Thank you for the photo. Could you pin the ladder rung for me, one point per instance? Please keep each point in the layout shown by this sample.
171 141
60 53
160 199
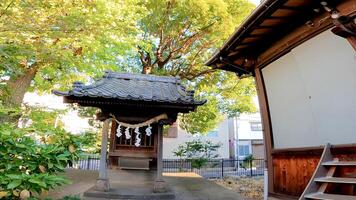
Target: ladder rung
339 163
324 196
336 180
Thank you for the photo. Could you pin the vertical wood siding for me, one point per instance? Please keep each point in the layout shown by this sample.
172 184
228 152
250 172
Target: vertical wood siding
293 172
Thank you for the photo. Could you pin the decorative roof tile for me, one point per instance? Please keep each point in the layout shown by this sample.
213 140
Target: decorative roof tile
134 87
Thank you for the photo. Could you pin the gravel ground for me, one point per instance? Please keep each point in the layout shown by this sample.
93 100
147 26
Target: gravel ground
250 188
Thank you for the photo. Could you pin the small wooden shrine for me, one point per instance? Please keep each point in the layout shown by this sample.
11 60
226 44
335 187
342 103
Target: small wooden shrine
138 105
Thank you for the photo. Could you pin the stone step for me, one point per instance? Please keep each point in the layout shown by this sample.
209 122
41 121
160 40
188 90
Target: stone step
323 196
114 194
339 163
336 180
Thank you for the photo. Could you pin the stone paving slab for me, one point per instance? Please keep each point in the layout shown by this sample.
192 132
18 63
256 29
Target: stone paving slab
190 186
185 186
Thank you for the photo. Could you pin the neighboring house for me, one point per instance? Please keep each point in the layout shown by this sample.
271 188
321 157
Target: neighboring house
177 136
238 137
246 136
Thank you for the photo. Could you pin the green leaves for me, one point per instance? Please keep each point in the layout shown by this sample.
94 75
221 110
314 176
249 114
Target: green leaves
29 165
13 184
14 176
197 151
66 41
204 119
37 181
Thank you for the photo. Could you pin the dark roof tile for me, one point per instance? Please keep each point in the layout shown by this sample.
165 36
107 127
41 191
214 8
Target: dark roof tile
135 87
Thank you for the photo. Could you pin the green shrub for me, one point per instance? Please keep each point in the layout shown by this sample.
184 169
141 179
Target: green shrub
247 162
71 198
29 166
198 152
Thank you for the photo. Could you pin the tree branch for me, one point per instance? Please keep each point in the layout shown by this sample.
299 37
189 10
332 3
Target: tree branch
7 7
193 76
146 61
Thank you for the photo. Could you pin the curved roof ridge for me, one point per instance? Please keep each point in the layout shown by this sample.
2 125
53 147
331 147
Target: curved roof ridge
143 77
134 87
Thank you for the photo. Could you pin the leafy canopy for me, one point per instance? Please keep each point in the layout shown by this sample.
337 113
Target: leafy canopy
178 36
63 41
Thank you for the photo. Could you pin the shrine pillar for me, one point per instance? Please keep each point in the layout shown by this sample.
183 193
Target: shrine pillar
102 183
159 184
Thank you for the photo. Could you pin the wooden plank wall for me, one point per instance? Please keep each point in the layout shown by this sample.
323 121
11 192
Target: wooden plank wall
292 172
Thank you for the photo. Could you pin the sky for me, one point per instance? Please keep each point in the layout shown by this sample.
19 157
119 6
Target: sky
72 122
256 2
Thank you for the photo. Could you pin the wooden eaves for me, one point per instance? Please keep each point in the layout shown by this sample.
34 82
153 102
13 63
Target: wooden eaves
270 22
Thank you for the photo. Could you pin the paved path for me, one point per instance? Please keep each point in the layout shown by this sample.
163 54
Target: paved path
186 186
190 186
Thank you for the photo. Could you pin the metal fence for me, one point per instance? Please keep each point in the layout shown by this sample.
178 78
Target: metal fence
87 162
218 168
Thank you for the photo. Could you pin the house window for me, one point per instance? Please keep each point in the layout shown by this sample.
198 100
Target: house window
212 134
244 150
256 126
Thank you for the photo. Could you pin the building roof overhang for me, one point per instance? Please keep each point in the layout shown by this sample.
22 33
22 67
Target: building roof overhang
268 23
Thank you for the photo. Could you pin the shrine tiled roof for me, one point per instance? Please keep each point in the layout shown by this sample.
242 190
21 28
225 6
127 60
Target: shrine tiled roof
134 87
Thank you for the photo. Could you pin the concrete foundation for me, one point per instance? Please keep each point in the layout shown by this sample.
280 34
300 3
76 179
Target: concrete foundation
159 186
131 184
102 185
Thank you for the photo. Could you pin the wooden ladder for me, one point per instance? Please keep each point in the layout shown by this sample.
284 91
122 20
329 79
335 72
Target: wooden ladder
324 175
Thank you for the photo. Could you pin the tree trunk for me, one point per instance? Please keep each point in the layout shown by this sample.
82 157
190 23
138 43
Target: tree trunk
147 69
17 87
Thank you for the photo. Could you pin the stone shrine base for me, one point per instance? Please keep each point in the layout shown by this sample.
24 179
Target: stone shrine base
130 184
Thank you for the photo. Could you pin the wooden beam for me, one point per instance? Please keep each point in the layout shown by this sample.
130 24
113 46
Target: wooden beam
302 34
352 41
294 8
268 26
248 43
257 35
112 143
267 127
316 150
280 17
291 40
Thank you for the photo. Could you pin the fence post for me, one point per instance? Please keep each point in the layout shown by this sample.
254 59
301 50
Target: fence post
88 165
251 172
222 168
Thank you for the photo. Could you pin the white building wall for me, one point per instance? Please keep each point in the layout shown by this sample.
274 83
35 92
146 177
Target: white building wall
312 93
245 135
244 127
170 144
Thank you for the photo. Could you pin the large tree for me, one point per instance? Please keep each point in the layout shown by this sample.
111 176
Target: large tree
178 36
49 44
